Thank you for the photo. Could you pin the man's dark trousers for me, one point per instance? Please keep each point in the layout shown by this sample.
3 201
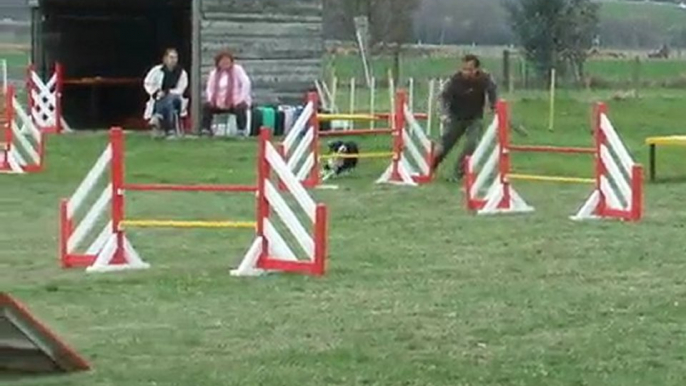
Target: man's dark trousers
455 128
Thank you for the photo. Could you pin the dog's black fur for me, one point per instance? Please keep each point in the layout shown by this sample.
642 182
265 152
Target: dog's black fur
341 165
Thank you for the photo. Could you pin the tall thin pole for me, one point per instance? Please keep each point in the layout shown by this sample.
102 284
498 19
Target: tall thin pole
352 95
411 86
372 100
430 106
551 117
4 76
196 64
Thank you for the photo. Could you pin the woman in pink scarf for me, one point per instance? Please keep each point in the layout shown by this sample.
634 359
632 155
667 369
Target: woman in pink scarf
228 92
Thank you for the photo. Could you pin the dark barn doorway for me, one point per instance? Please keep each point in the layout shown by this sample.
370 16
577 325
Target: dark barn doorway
106 48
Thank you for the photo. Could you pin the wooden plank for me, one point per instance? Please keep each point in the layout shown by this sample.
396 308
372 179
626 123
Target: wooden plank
260 28
264 7
271 96
277 48
310 70
255 17
285 82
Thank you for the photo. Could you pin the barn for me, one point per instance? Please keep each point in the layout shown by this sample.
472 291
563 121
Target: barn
107 46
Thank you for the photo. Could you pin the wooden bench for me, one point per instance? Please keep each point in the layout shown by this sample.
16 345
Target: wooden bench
654 142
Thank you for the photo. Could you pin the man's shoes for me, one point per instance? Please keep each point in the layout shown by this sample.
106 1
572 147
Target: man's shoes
435 159
171 135
206 133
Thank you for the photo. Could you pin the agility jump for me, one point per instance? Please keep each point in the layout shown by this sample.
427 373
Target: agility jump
22 150
617 181
22 144
112 251
45 100
411 150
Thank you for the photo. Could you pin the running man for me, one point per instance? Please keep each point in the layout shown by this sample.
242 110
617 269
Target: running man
463 100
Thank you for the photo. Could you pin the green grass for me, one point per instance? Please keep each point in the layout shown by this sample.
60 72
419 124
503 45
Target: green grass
621 70
16 63
418 291
666 17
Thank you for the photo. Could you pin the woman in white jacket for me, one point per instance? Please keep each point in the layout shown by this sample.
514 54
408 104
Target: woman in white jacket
165 83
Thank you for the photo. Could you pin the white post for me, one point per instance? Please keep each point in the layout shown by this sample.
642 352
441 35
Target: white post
323 93
372 100
441 126
430 108
353 91
551 115
4 75
352 95
334 93
391 91
365 60
412 94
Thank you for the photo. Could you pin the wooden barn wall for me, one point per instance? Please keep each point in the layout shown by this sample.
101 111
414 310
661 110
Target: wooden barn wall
280 43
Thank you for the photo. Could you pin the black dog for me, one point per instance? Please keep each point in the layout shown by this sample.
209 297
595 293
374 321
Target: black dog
339 165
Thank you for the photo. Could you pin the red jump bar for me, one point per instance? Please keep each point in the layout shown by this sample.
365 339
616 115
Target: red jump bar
344 133
552 149
189 188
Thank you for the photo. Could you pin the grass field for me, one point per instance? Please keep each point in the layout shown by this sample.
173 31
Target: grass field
16 63
653 73
418 292
666 16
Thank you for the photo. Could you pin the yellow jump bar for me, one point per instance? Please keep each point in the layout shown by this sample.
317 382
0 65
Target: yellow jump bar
361 155
346 117
674 140
531 177
188 224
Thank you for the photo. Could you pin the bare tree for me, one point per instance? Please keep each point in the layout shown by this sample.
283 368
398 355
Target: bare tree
555 33
392 26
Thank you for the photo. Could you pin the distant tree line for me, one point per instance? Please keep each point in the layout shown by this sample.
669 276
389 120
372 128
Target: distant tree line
390 21
482 22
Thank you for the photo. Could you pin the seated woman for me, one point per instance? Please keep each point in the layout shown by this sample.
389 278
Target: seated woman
165 83
228 92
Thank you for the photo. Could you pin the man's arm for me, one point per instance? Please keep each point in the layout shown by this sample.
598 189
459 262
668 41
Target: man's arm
445 96
491 92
